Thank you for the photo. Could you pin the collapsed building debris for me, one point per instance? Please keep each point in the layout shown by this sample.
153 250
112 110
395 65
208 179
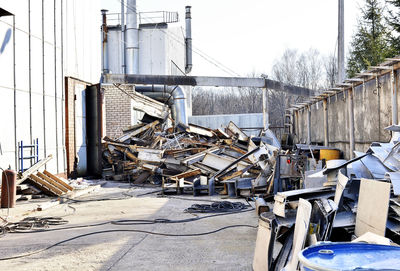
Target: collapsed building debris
355 200
192 158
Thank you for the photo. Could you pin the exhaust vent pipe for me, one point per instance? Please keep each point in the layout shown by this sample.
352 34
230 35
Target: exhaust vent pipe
132 39
174 94
188 40
104 32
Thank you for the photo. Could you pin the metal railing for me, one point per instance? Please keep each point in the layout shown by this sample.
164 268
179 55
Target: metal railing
154 17
151 17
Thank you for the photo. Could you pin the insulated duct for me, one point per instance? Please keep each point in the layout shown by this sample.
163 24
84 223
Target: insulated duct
188 41
104 41
174 95
132 39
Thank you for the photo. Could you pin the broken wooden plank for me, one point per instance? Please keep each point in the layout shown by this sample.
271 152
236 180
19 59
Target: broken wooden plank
45 185
186 174
150 155
33 169
196 129
58 180
221 134
128 154
373 207
204 169
51 181
138 131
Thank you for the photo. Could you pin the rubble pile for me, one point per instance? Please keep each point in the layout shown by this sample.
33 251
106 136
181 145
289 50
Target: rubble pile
192 158
340 200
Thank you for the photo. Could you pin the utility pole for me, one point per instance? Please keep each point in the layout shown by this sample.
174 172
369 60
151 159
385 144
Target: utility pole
341 71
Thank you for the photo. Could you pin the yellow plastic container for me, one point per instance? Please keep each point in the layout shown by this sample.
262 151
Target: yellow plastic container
329 154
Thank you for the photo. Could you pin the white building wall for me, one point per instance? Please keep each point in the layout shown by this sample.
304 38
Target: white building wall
162 51
69 51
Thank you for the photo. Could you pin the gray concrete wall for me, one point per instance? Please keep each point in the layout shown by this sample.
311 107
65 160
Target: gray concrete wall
372 113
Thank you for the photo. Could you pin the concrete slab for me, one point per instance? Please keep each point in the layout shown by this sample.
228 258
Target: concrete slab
231 249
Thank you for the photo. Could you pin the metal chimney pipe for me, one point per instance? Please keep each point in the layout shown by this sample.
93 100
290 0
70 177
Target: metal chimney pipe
123 36
188 40
104 32
177 103
132 39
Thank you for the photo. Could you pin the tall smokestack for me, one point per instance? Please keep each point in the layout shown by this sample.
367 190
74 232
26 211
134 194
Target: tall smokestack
132 39
188 40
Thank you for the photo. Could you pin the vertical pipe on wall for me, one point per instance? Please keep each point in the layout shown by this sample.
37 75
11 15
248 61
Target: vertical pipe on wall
15 99
63 113
123 36
55 81
296 119
308 125
393 87
326 128
379 106
104 34
188 41
351 121
30 74
44 91
132 38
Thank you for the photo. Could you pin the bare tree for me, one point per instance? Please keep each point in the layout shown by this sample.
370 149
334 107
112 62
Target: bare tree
302 69
330 65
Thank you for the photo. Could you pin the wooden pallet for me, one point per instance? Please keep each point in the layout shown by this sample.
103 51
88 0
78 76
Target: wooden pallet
50 183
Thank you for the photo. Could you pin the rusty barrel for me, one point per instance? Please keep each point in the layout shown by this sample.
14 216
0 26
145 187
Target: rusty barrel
8 189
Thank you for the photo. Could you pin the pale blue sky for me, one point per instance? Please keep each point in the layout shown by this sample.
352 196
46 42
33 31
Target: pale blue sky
248 36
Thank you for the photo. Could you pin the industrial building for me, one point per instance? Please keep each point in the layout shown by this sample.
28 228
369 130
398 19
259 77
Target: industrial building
44 52
98 133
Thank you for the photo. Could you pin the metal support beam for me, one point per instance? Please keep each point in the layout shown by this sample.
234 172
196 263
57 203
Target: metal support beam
308 125
265 109
351 121
326 127
296 119
174 80
395 119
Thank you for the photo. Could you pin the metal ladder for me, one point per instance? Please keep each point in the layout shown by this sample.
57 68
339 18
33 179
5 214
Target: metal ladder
33 154
288 122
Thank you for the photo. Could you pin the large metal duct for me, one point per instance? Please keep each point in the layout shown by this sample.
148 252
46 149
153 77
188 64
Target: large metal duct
174 95
132 39
104 33
188 41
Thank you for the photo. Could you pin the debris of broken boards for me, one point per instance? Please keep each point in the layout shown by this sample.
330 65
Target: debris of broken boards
33 182
355 200
191 159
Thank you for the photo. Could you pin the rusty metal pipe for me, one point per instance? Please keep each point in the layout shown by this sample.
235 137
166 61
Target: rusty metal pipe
8 189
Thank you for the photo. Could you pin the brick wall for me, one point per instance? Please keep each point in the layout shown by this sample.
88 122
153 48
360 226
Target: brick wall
70 123
118 110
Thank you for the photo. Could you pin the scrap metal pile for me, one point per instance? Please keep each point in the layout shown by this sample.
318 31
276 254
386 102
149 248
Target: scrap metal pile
355 200
192 158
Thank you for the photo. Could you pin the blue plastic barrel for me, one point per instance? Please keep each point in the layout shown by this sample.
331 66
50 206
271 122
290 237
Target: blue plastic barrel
327 256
